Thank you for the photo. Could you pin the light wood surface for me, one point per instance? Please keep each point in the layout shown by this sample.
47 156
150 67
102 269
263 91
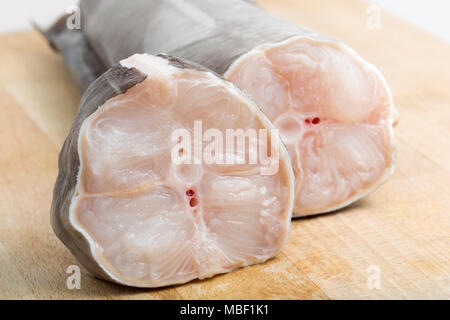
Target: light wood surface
402 229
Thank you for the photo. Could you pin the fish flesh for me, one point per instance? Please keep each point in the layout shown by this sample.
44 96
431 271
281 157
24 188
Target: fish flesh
133 215
334 110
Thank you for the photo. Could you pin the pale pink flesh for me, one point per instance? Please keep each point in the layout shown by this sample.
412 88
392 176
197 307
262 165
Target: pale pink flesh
153 223
335 115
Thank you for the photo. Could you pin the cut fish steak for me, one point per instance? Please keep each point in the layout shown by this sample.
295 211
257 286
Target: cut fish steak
133 216
334 110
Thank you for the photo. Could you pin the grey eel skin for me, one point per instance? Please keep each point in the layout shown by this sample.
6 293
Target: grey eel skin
211 33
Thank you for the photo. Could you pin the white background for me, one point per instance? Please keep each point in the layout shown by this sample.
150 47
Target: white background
430 15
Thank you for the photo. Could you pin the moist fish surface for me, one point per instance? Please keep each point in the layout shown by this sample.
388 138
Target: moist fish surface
334 110
133 215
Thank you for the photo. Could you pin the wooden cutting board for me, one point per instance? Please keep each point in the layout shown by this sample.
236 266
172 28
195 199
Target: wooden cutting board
399 235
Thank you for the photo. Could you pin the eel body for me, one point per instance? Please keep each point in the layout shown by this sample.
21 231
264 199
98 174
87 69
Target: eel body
334 110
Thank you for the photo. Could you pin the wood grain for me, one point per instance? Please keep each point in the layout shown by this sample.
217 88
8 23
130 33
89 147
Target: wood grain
403 228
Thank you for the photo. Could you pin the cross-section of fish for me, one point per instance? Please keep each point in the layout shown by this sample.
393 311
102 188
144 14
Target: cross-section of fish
132 213
334 110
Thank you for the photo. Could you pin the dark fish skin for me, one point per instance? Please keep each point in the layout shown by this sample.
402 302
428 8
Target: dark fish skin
186 64
115 81
211 33
83 63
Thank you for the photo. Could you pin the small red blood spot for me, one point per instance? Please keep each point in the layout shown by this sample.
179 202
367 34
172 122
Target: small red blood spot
190 193
316 121
193 202
307 121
